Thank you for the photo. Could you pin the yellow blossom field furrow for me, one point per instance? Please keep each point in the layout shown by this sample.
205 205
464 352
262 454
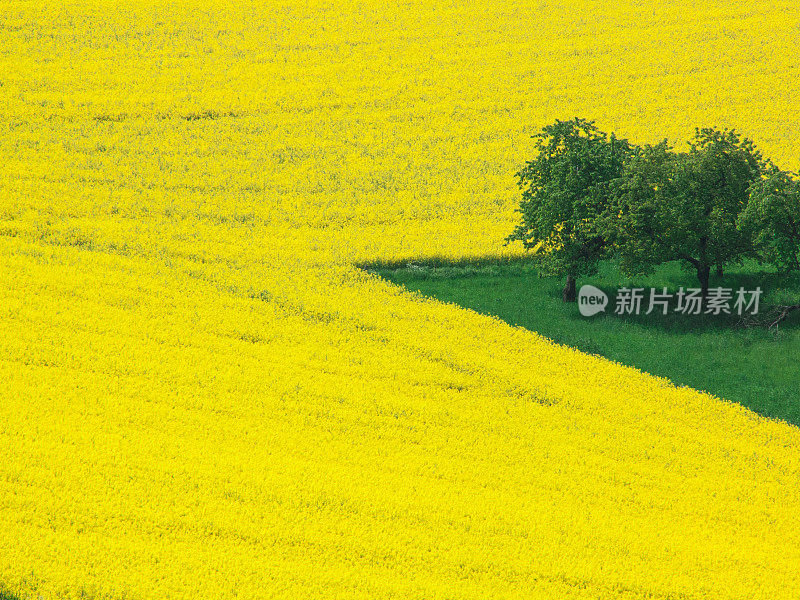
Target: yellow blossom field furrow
204 396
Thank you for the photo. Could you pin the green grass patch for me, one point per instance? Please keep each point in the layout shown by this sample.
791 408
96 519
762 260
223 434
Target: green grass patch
754 366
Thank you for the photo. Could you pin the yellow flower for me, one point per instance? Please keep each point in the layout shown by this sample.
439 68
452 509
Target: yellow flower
203 397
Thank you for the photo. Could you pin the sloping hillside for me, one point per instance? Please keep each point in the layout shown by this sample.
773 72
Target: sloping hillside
203 397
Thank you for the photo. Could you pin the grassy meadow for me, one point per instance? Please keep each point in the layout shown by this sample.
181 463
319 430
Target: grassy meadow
754 366
203 394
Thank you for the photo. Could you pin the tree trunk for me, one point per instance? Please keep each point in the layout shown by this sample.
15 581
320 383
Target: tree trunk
720 272
570 294
703 268
704 274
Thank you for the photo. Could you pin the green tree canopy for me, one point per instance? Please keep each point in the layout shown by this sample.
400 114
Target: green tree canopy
772 219
684 206
564 195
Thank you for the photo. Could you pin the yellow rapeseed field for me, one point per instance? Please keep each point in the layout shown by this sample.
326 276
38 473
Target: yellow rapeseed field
203 396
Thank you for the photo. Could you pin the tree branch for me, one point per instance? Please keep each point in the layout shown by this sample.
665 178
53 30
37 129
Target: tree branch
693 261
771 319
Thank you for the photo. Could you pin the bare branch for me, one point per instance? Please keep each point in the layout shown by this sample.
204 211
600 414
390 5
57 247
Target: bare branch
771 319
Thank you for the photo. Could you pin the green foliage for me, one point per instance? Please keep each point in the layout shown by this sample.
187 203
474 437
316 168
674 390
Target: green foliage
668 205
6 595
639 209
587 196
772 219
564 193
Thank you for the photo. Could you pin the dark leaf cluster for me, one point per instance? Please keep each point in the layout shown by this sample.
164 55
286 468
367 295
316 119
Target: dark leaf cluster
588 196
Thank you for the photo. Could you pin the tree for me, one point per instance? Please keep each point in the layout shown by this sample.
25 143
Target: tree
564 196
772 219
670 205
